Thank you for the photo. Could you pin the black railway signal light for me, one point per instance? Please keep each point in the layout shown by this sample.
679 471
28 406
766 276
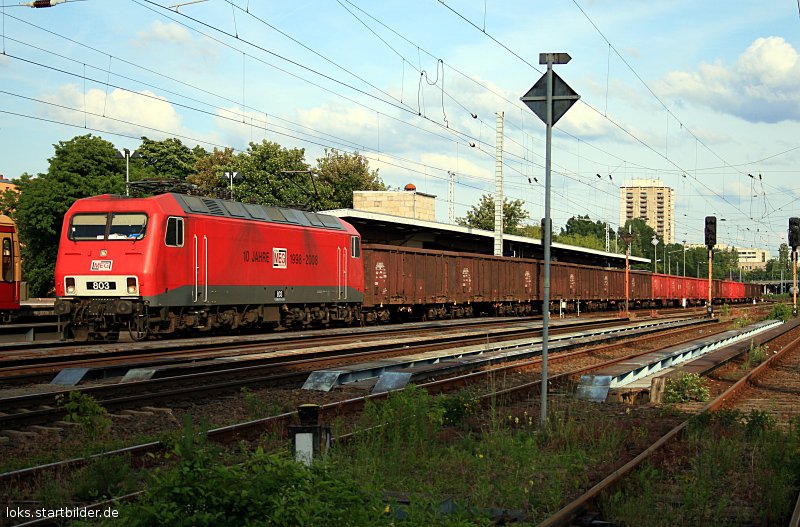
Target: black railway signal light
794 232
711 231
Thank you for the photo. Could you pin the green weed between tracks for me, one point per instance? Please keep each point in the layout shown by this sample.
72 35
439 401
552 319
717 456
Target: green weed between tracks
737 470
84 410
781 312
424 447
688 387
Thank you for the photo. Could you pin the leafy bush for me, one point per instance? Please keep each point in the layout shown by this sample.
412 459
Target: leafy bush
265 490
687 387
84 410
457 407
758 422
781 312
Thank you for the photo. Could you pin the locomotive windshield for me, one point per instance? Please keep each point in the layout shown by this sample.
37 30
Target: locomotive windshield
108 226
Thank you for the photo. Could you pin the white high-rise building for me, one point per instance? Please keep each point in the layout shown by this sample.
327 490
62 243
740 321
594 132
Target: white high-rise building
651 201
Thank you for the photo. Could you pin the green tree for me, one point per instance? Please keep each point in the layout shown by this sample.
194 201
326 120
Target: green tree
167 159
209 169
482 215
641 242
584 226
273 175
531 231
590 241
81 167
783 257
339 174
581 231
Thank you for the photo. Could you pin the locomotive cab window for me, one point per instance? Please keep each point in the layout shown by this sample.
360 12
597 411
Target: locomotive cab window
355 247
108 226
127 226
8 261
174 236
88 227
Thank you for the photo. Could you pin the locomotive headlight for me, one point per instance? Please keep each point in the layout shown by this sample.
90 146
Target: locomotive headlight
133 287
70 285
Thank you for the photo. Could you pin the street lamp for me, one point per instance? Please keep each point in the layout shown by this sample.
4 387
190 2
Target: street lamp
684 257
654 241
627 237
128 155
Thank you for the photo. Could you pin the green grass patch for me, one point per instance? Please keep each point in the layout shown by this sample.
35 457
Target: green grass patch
257 407
500 460
739 470
428 448
755 356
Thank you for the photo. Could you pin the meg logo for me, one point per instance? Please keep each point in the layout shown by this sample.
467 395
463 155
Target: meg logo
101 265
278 258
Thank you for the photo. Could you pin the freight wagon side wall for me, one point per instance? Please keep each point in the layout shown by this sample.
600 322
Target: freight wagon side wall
641 286
405 276
572 282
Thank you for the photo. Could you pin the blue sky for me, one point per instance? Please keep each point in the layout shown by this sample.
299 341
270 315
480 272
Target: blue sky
697 94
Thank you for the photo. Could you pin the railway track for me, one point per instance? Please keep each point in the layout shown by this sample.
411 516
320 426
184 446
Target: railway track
28 364
254 429
772 387
288 367
35 365
566 368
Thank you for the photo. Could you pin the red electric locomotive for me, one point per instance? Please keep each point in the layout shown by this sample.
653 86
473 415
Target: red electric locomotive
172 262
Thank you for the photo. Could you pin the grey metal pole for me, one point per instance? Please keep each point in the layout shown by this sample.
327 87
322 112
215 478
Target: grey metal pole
547 241
794 282
127 171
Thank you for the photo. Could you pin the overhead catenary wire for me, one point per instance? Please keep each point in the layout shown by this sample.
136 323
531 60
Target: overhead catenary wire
331 140
612 121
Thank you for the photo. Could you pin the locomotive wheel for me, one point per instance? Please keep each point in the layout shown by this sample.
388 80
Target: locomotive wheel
137 328
80 333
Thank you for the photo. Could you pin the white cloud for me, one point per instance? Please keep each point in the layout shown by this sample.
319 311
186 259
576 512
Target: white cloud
355 124
159 35
161 32
761 87
462 167
587 124
119 111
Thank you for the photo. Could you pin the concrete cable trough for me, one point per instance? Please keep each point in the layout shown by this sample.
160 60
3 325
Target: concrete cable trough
395 373
595 387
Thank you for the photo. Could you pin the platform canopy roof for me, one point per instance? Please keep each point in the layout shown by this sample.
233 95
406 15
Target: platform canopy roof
408 232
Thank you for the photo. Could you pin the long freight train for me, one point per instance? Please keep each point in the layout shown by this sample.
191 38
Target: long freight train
176 263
